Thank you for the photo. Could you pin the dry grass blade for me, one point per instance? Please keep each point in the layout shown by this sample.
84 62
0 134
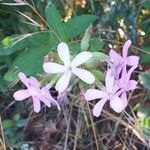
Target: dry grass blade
2 141
33 21
93 127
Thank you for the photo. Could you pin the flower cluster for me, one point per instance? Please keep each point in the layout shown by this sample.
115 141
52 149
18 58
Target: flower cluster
69 68
117 82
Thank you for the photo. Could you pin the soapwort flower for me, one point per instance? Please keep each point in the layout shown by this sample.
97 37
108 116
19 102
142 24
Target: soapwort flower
69 67
33 90
109 92
119 62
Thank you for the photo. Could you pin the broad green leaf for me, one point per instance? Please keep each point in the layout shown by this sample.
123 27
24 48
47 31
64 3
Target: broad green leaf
28 62
145 79
54 21
96 44
74 47
28 40
79 24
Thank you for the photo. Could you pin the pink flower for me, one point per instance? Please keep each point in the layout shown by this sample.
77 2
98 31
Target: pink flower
122 61
33 90
69 67
107 93
125 84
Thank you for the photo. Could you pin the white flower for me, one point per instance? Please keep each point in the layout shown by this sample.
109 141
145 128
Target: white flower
69 67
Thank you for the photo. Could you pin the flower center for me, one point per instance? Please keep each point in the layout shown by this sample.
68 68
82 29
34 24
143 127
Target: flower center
33 91
70 68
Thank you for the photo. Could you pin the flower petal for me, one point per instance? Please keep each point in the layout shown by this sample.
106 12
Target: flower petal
63 82
23 79
81 58
98 107
34 82
51 67
124 99
109 81
115 57
36 104
117 104
56 103
84 75
63 52
92 94
132 61
125 48
21 95
132 84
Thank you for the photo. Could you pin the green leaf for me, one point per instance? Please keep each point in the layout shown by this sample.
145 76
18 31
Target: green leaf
86 39
95 60
74 47
7 123
146 57
30 62
79 24
54 21
28 40
146 4
145 79
96 44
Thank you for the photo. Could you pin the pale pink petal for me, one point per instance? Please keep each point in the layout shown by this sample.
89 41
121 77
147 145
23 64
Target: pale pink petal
117 104
132 61
46 101
36 104
109 81
115 57
63 82
98 107
118 71
23 79
81 58
123 81
34 81
84 75
47 98
92 94
63 52
132 85
21 95
51 67
56 103
125 48
124 99
127 75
